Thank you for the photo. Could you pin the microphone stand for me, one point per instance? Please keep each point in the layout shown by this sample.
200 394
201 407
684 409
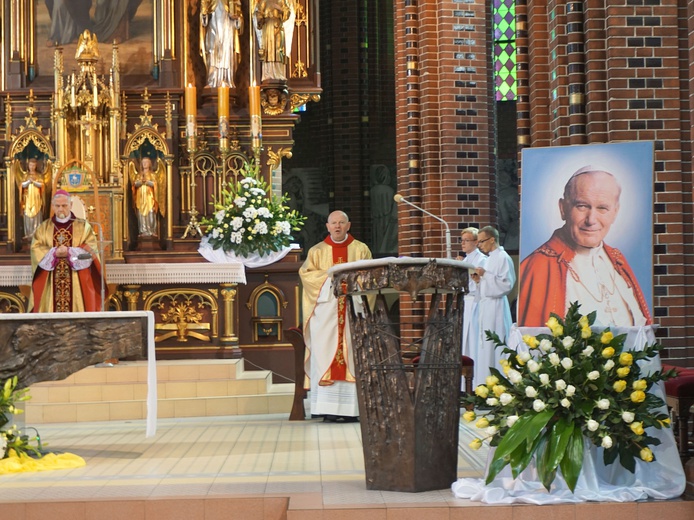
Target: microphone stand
400 198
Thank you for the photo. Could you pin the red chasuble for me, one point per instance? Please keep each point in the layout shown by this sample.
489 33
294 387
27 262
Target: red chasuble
338 367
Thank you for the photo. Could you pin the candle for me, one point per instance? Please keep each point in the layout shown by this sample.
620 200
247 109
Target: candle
96 92
191 102
254 100
72 91
223 102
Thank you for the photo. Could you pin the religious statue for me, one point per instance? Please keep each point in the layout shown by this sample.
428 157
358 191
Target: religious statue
87 46
33 195
222 22
274 26
149 194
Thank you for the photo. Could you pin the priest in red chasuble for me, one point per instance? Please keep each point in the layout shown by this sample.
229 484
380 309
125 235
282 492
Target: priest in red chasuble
65 262
330 361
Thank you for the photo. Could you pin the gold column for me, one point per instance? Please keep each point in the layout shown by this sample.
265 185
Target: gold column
229 291
132 296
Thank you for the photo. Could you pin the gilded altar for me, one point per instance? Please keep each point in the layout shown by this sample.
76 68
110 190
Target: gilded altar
134 116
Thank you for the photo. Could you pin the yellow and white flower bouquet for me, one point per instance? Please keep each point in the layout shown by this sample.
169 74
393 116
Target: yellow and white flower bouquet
249 219
570 387
11 438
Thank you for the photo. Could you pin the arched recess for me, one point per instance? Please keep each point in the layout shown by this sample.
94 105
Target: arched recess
266 303
147 141
184 314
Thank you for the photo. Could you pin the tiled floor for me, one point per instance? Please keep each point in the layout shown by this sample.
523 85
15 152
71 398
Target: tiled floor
241 455
250 468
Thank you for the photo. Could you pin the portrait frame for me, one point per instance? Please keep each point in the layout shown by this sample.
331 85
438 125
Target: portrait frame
545 172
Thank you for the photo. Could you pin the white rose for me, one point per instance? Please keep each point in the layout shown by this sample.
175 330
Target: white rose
609 365
588 351
533 366
505 398
492 430
565 402
570 390
568 342
560 384
511 420
545 345
530 391
553 359
492 401
593 375
628 417
592 425
538 405
523 357
544 379
514 376
607 441
603 404
567 363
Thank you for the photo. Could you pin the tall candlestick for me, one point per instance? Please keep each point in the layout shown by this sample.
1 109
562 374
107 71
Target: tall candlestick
191 111
223 101
254 100
95 90
191 101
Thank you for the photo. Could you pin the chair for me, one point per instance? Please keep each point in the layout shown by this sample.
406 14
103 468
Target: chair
679 396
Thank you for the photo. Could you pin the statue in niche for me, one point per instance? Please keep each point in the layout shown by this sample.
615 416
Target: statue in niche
222 22
34 191
384 212
149 194
274 27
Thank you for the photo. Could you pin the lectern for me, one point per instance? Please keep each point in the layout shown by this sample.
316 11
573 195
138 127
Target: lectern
409 414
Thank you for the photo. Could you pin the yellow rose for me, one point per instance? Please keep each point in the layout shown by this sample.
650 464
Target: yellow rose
531 341
482 422
623 371
637 396
482 391
491 381
583 322
556 327
626 359
637 428
608 352
476 444
665 422
586 332
498 390
606 337
619 386
469 416
641 384
646 455
506 369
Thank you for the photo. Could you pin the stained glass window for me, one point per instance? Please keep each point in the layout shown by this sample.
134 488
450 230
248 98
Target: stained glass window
505 49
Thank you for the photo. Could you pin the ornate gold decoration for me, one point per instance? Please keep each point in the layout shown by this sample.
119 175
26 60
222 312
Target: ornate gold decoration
275 158
12 304
182 313
229 292
297 100
273 101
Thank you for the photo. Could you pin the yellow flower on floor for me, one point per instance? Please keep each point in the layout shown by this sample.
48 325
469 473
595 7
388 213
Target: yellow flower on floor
469 416
483 422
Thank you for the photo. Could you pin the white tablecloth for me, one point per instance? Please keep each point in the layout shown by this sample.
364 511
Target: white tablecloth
661 479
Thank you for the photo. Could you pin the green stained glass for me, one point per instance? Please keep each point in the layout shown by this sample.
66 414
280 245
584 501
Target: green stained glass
505 49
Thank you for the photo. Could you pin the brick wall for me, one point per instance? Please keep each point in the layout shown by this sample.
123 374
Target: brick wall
620 71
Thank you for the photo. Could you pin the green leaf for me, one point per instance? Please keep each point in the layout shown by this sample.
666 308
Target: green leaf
572 462
525 430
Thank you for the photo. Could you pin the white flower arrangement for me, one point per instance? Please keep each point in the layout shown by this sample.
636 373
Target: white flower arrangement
572 384
250 219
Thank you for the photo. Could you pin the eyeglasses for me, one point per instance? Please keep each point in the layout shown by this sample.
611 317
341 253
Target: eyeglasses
483 241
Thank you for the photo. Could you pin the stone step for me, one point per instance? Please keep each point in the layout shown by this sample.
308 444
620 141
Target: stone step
185 388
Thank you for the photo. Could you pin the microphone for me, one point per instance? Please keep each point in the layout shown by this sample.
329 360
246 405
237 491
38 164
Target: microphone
399 198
